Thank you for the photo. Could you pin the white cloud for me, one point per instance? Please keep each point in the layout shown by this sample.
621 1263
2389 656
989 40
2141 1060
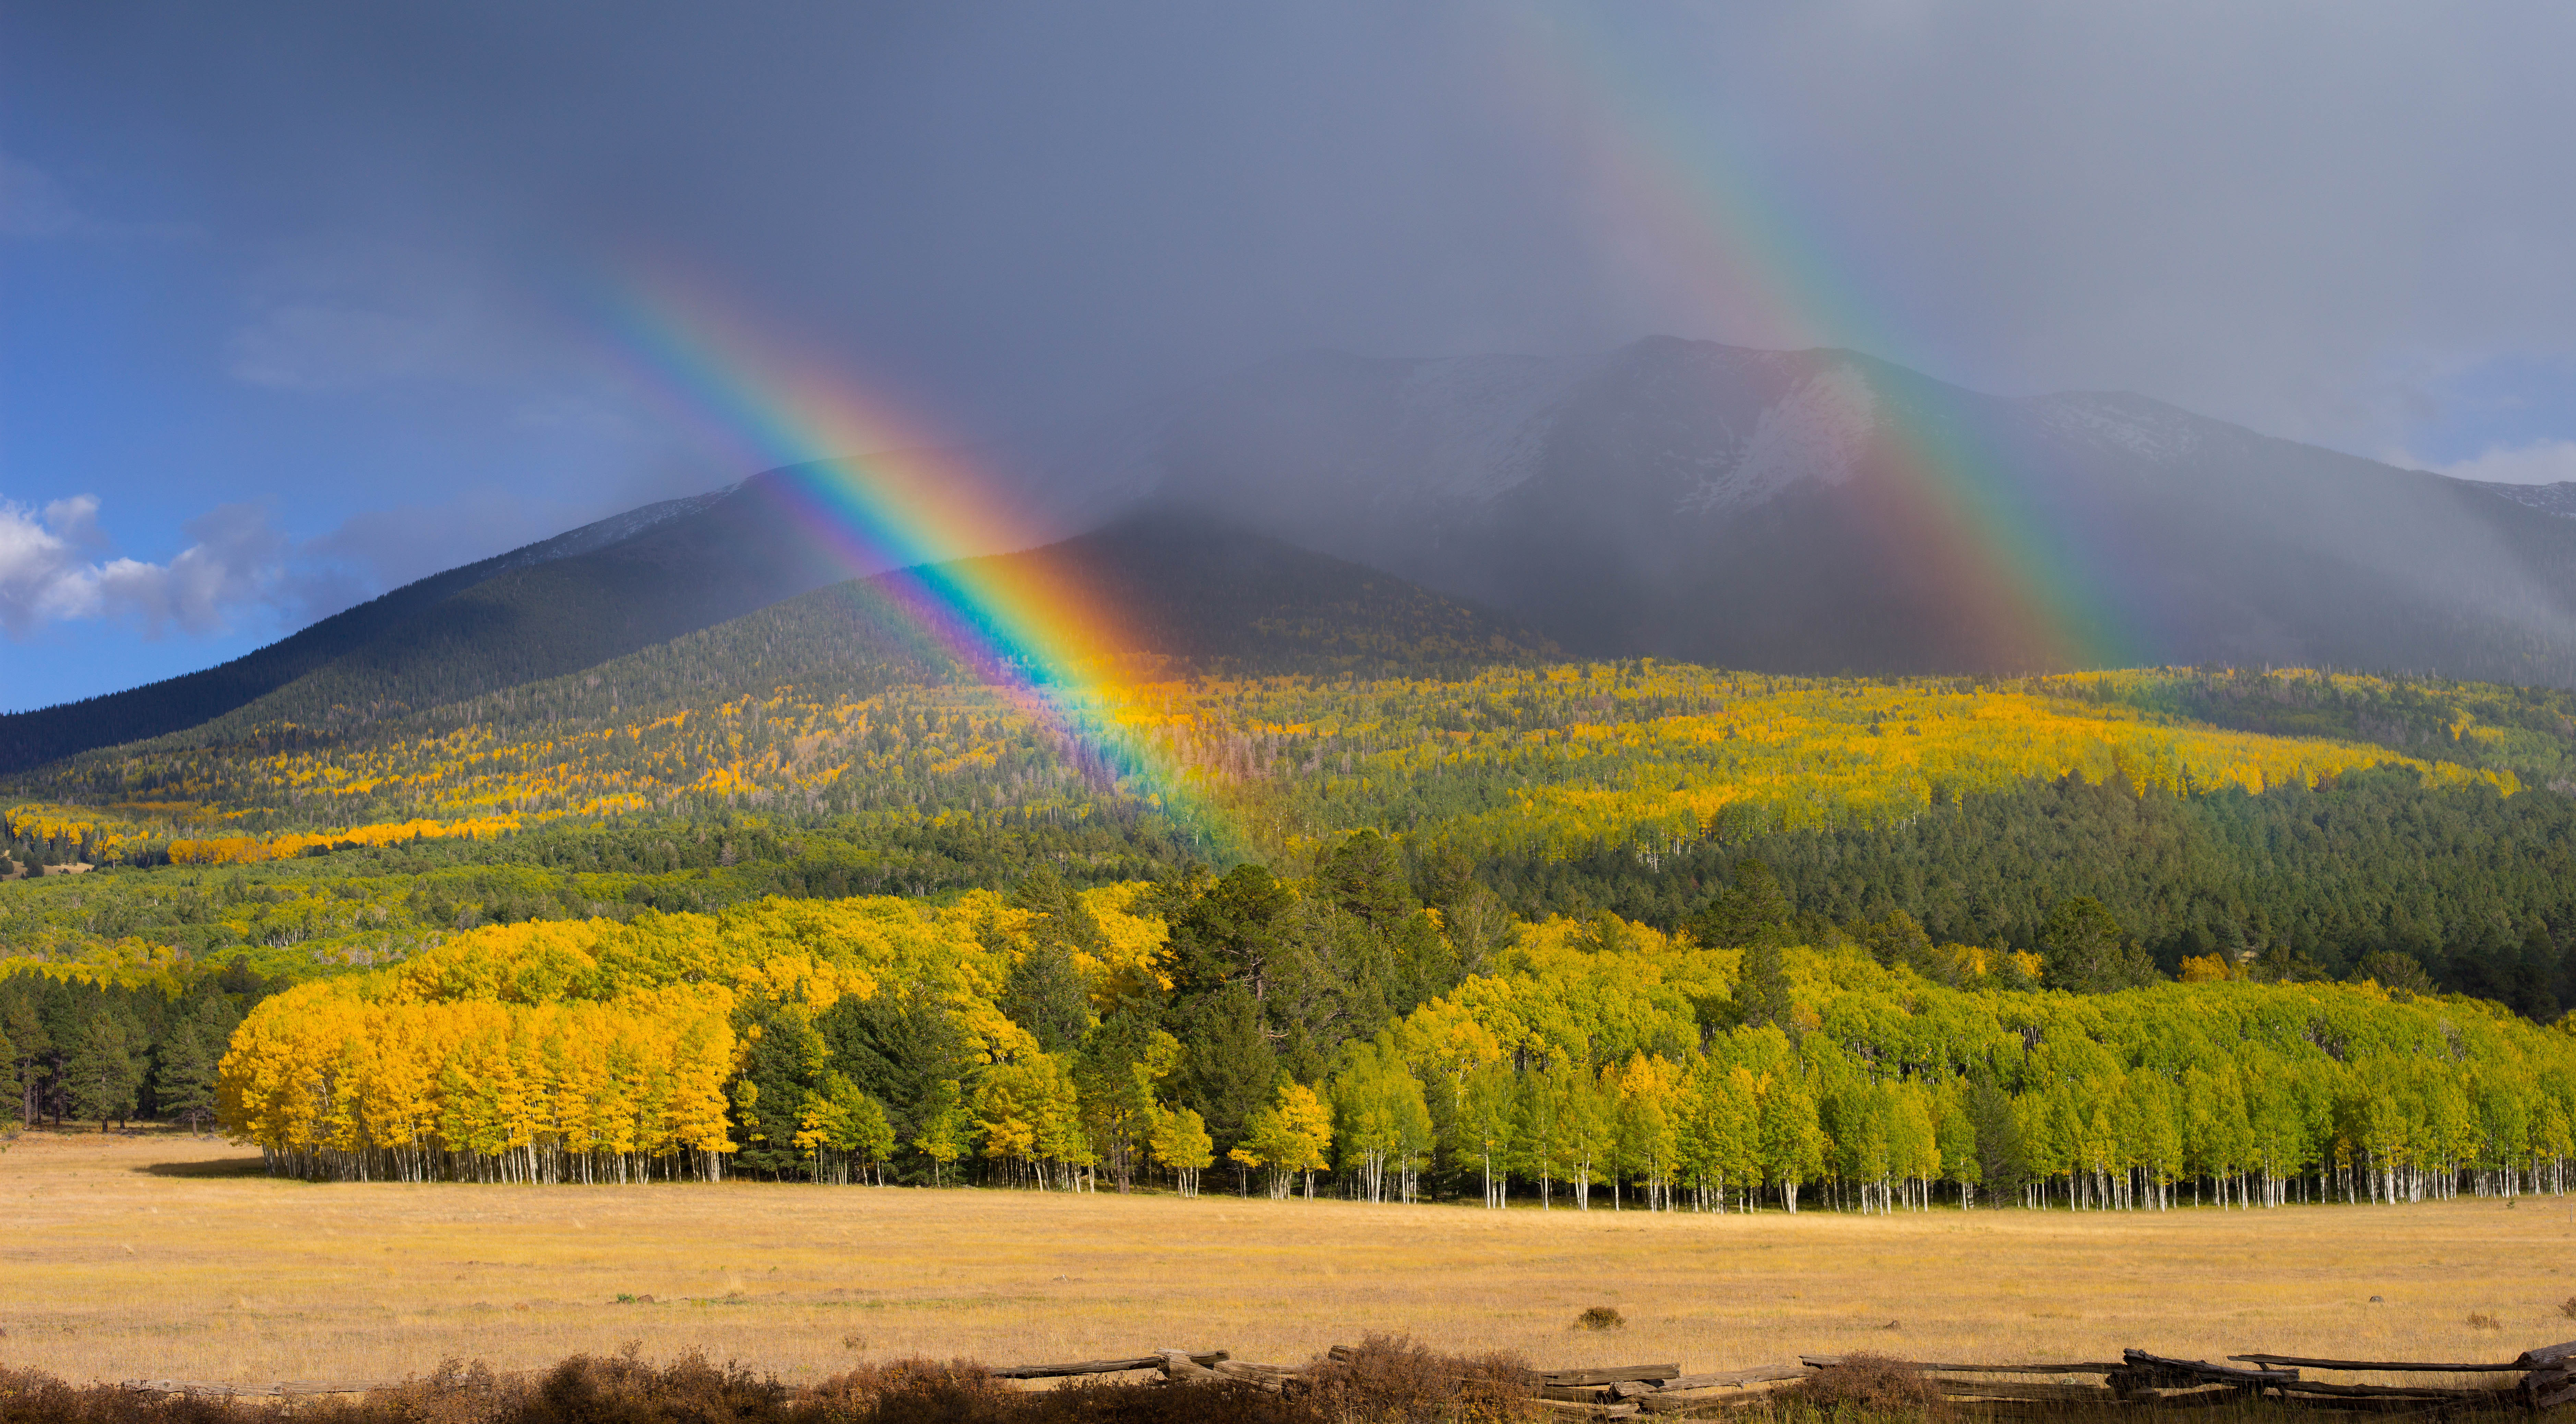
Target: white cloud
48 572
2543 462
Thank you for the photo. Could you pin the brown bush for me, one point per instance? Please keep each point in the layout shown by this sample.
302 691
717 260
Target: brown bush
956 1392
1870 1384
1601 1317
1394 1379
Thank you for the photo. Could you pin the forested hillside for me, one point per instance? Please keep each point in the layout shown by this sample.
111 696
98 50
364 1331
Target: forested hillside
1975 808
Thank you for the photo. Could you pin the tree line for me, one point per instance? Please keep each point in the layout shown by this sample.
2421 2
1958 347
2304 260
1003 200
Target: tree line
2376 874
1334 1033
76 1048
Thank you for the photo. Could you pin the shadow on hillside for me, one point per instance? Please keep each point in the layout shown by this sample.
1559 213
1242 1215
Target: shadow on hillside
216 1167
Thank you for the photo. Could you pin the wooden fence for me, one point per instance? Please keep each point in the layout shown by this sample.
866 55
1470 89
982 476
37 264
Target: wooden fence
2534 1380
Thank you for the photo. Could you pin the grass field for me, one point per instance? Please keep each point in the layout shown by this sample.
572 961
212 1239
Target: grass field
171 1256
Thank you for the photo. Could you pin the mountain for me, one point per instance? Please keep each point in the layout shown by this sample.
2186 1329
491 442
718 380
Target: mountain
44 734
1811 511
2559 498
1823 511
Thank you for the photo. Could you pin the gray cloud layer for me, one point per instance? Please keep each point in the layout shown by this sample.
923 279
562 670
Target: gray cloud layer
2317 219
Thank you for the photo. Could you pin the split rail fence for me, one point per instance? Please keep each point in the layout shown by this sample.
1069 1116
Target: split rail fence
2539 1380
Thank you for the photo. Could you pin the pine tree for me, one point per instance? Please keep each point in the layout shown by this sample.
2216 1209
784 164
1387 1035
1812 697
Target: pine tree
2087 952
1045 995
183 1086
1227 1064
24 1027
101 1073
2002 1167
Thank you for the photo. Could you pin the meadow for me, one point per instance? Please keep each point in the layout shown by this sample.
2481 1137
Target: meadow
168 1255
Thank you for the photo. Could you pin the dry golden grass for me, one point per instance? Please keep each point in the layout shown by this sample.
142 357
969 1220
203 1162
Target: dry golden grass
170 1256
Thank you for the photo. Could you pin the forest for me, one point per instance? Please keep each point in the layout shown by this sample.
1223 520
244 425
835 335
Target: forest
2422 820
1358 895
1335 1034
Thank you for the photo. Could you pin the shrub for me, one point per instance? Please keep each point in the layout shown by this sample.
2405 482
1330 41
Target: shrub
1601 1317
1870 1384
1395 1379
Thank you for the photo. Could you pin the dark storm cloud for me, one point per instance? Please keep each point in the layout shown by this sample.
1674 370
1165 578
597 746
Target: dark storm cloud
377 229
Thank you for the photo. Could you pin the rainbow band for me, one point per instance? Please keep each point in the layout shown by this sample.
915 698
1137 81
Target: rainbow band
915 520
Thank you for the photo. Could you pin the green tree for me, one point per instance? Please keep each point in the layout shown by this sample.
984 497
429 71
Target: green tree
2087 953
782 1061
1045 995
1114 1076
2402 975
2003 1168
24 1027
1752 908
903 1048
1227 1064
1793 1142
183 1085
1228 935
101 1073
945 1127
1762 988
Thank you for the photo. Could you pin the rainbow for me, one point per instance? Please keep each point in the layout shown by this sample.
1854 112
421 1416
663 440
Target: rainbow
912 517
2028 575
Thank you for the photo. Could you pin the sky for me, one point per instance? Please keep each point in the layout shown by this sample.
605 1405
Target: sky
301 302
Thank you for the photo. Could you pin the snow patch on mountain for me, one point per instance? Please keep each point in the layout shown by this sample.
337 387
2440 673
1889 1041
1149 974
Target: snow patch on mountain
1473 427
1820 431
2558 499
2157 434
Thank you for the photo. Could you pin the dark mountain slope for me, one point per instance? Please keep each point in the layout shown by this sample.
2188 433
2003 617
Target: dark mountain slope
508 621
1188 593
45 734
1204 596
1822 510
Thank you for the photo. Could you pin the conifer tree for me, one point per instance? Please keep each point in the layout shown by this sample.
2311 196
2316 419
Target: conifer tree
2087 952
101 1073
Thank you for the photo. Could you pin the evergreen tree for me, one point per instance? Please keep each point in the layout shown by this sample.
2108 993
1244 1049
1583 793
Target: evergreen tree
1752 908
1113 1077
183 1084
1046 996
2003 1169
780 1072
2087 953
1227 1064
25 1030
1229 934
2402 975
903 1048
101 1074
1762 993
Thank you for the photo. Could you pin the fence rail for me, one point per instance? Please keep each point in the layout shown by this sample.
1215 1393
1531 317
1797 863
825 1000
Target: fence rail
2138 1380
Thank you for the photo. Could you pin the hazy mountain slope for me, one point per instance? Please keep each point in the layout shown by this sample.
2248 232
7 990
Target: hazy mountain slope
33 737
1203 596
745 549
2559 498
1822 510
